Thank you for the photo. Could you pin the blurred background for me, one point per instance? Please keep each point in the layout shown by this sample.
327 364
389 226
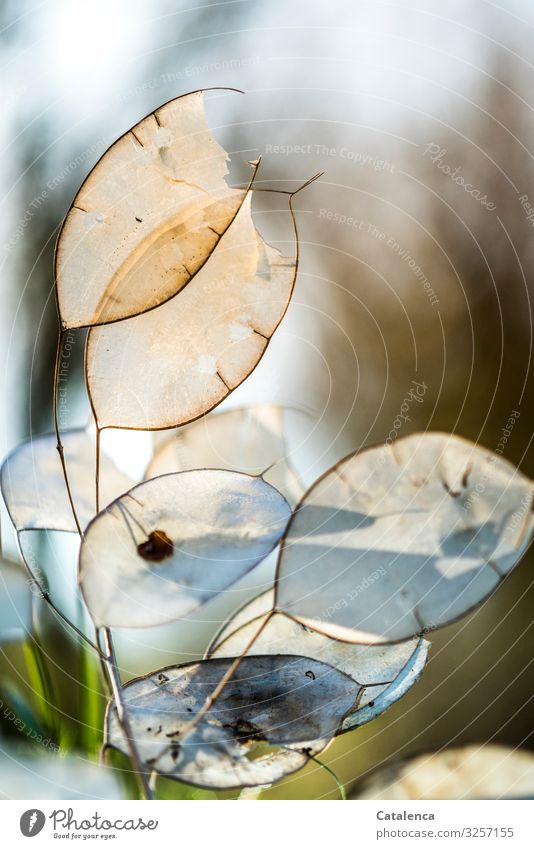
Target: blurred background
417 247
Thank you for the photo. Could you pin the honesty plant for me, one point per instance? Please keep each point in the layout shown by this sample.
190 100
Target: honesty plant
163 265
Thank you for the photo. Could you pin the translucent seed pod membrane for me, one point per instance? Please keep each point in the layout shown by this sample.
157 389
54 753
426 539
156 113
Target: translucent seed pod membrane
402 539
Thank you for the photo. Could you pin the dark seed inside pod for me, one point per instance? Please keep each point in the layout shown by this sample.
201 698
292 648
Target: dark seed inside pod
157 547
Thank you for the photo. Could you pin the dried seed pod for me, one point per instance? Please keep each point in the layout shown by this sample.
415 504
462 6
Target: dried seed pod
472 772
172 543
272 715
146 219
173 364
33 484
382 674
248 439
399 540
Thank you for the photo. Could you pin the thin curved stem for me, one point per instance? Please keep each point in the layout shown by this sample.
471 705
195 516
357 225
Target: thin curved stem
59 446
61 452
330 771
45 595
122 713
295 191
108 657
48 599
110 662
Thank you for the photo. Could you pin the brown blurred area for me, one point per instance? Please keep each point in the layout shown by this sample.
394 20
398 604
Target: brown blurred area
407 274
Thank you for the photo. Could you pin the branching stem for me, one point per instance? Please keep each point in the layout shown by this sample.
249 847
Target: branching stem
122 713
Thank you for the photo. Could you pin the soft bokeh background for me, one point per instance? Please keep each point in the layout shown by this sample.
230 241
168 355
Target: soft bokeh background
404 275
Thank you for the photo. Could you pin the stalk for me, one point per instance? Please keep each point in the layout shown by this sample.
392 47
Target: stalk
122 713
